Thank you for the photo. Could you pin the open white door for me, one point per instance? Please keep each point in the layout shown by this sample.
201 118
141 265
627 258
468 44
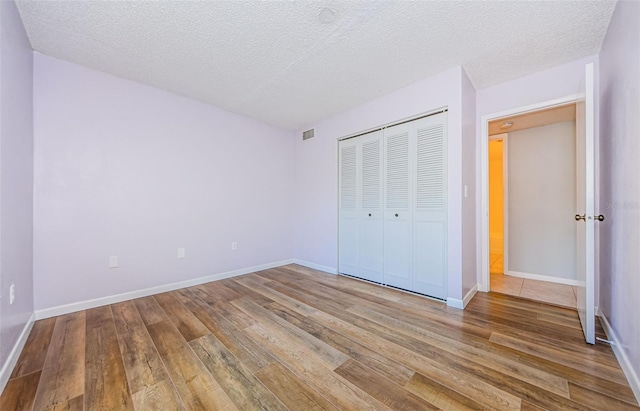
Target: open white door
585 204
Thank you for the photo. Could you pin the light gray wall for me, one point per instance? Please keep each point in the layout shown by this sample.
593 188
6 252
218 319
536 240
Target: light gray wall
542 201
123 169
16 182
620 180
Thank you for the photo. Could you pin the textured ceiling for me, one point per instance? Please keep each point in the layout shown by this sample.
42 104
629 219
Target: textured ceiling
278 62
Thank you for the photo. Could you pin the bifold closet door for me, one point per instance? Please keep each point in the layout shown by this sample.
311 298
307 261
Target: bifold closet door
360 214
415 223
392 206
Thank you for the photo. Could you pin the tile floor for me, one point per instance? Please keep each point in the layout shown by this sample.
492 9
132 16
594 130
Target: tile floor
553 293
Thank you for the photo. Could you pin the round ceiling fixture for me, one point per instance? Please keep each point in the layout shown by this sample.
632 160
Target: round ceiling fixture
327 15
506 124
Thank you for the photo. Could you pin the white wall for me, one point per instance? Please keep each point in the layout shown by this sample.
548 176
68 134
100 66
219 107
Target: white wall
620 182
123 169
542 201
316 212
16 171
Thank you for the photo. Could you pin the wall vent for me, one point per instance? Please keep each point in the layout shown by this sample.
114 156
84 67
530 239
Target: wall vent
308 134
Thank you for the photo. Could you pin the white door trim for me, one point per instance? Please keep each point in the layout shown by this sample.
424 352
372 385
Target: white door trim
482 204
505 204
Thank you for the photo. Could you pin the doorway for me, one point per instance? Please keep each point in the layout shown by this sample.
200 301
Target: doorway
532 186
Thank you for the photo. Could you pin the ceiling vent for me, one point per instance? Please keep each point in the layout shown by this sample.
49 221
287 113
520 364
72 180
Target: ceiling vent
308 134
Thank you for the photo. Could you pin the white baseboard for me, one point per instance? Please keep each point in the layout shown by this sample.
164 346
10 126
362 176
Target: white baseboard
330 270
12 359
470 295
457 303
540 277
625 362
112 299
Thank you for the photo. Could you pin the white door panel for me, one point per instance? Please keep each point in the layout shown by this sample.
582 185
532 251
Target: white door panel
348 244
397 217
585 201
348 260
397 250
429 258
429 208
371 219
371 250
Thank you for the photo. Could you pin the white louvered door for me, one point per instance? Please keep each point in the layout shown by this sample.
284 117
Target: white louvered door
348 230
430 208
393 209
371 240
397 213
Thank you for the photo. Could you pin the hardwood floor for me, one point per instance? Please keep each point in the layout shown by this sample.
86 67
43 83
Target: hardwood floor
297 339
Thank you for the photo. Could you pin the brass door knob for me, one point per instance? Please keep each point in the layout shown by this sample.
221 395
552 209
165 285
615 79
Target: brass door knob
580 217
599 217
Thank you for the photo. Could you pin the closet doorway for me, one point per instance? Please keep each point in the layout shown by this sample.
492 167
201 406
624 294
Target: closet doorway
532 199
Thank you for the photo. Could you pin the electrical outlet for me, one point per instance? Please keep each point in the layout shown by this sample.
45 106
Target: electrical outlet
182 253
234 246
12 293
113 261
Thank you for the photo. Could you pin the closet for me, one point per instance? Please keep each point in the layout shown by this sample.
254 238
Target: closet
392 224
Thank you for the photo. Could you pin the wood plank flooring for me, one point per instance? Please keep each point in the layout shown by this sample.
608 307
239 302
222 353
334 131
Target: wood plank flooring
293 338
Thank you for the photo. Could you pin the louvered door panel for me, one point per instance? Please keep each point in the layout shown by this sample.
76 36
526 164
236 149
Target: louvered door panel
371 174
371 241
430 171
397 215
348 214
429 224
397 171
348 178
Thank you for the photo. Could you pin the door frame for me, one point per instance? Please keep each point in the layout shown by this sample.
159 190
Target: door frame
483 206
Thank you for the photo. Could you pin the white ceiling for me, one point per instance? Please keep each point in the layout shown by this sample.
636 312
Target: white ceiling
278 62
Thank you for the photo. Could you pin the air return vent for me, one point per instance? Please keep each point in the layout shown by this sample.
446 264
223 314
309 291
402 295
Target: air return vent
308 134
